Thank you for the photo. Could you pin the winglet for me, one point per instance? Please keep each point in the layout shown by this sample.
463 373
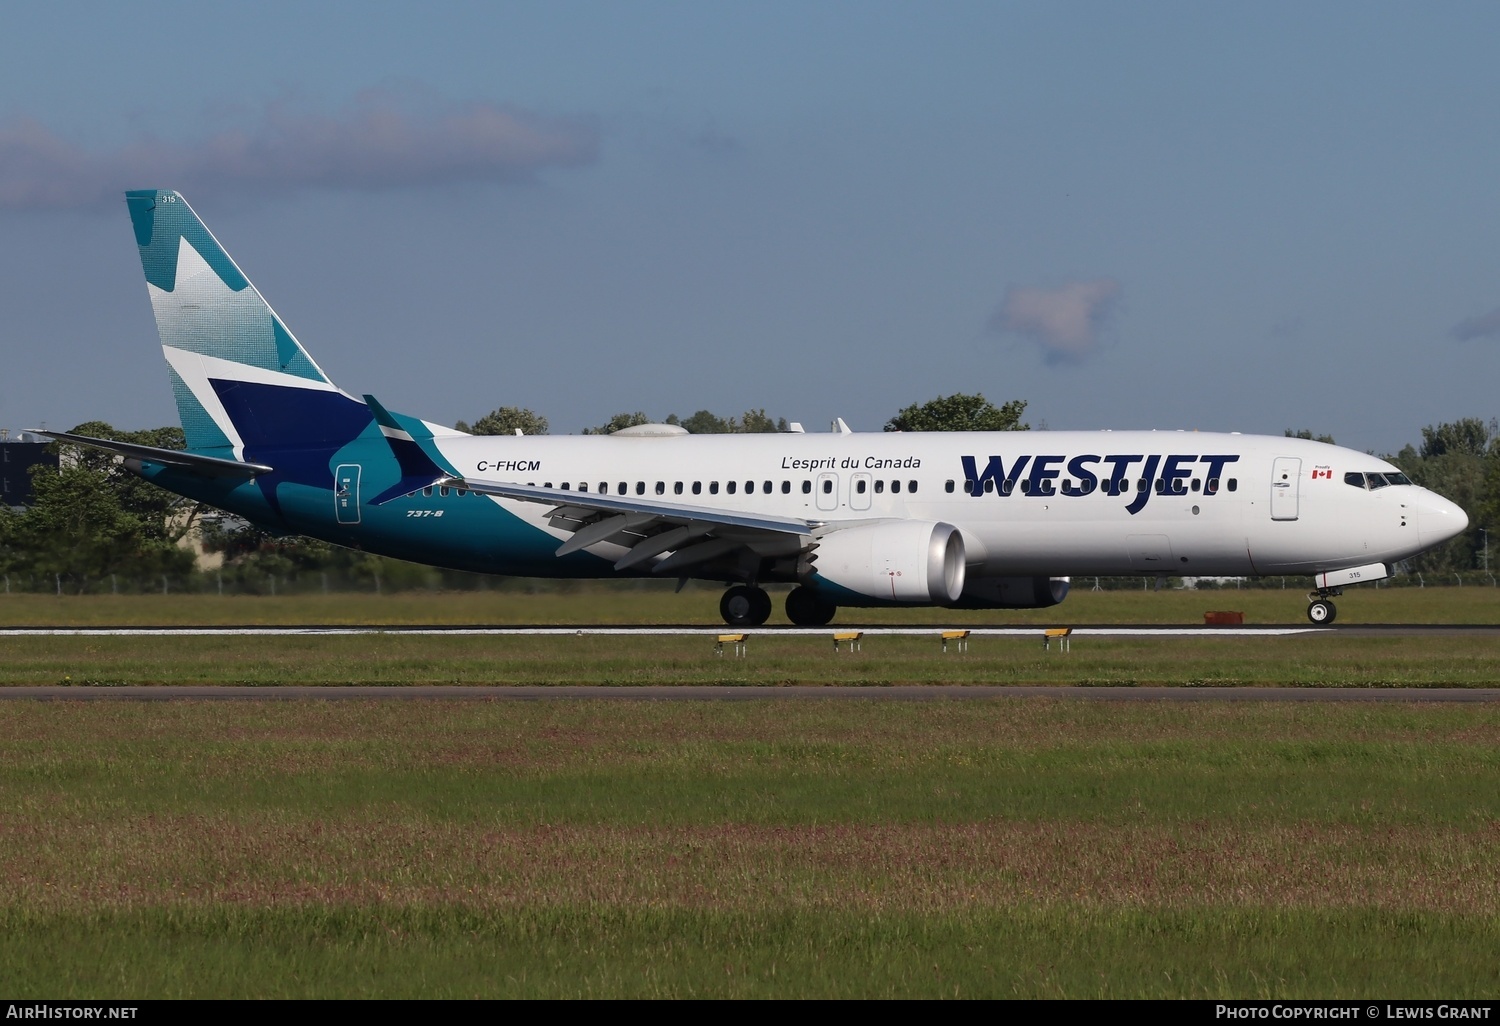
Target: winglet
421 465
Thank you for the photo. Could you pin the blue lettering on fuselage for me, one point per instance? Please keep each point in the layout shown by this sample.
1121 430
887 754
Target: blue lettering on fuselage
1175 471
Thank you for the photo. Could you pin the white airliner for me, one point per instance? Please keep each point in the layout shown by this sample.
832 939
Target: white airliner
967 520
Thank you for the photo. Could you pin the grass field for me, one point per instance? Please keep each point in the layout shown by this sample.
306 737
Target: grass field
1028 848
985 848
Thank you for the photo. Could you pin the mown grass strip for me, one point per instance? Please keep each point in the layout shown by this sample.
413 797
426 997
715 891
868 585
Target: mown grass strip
448 952
1324 660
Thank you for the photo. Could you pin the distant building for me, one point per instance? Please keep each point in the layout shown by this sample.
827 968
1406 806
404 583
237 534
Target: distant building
17 457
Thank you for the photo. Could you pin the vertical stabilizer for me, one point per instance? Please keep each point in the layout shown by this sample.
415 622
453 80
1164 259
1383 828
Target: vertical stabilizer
217 333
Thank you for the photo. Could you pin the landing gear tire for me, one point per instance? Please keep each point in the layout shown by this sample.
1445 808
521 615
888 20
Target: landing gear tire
743 606
1322 611
806 608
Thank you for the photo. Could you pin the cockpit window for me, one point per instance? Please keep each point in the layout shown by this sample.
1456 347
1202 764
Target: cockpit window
1354 478
1375 481
1397 479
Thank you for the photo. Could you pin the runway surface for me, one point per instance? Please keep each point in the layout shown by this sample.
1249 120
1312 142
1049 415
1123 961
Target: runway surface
695 693
666 630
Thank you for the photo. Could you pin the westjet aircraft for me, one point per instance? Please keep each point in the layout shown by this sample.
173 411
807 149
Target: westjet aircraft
965 520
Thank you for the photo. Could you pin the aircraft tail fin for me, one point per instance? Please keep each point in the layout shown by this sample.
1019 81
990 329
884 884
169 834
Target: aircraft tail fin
232 360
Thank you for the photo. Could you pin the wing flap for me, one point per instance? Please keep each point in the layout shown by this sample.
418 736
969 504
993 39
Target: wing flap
690 535
570 503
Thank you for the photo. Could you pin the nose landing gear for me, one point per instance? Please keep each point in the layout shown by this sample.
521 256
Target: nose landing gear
745 606
1320 608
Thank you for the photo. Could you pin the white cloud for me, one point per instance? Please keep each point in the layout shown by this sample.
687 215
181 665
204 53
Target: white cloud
383 140
1065 321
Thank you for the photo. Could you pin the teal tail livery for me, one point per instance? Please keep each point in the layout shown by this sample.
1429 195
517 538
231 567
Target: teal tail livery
965 519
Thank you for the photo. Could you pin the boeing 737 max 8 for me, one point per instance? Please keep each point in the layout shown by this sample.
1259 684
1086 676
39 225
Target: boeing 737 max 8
971 520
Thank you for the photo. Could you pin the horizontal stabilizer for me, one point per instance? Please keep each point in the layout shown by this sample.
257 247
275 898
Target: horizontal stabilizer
209 466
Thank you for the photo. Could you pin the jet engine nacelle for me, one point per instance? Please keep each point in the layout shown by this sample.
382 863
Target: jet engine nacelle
911 561
1012 592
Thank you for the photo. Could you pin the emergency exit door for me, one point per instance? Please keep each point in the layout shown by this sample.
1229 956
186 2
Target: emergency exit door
1286 477
346 493
828 491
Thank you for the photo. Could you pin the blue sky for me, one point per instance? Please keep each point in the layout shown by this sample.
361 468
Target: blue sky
1225 217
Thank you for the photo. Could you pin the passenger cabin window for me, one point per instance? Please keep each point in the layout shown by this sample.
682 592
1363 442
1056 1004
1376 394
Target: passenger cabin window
989 485
1234 483
624 488
948 485
713 488
827 487
1197 483
806 487
443 491
786 488
968 487
697 487
661 488
911 486
730 486
859 486
768 487
640 488
677 488
879 487
427 492
895 486
749 487
1211 486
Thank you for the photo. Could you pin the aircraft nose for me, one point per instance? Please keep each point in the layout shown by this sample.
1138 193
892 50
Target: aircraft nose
1438 520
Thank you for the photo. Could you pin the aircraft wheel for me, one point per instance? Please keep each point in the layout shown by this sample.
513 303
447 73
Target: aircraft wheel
1321 611
806 608
744 606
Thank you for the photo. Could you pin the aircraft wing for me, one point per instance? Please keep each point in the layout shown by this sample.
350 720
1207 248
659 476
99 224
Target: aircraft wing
692 534
211 466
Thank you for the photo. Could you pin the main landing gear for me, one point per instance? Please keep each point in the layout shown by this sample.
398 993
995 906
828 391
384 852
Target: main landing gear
745 606
1320 608
806 608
